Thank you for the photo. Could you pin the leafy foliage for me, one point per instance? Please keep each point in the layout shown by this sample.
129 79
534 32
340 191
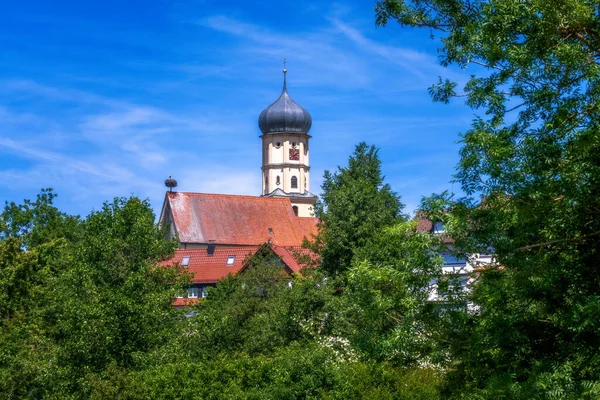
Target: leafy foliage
534 156
390 288
82 296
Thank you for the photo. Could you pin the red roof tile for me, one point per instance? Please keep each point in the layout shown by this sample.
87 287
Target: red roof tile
237 220
209 269
287 258
182 302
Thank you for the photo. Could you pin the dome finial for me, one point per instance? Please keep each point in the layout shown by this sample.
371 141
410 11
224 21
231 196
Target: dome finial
284 115
284 72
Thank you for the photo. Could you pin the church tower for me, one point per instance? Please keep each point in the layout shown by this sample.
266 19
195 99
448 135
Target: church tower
285 157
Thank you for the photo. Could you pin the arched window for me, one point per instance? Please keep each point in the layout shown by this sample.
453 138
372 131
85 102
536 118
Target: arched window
294 182
295 208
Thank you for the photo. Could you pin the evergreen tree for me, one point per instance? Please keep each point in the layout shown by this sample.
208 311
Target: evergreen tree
355 204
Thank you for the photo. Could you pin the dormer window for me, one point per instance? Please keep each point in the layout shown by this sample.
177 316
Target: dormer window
438 227
230 260
185 261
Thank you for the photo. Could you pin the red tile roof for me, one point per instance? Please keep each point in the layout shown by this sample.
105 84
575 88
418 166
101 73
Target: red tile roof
182 302
237 220
209 269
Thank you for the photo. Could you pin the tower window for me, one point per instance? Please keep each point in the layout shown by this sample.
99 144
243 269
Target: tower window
277 181
294 182
295 208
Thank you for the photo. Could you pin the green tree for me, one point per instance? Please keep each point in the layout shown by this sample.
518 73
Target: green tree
535 155
257 337
389 287
97 302
355 204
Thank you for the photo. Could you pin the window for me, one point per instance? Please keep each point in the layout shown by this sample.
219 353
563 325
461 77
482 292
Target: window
204 292
192 293
230 260
450 259
438 227
295 208
185 261
294 182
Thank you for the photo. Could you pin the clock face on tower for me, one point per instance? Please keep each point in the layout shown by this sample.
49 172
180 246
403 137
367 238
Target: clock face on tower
294 154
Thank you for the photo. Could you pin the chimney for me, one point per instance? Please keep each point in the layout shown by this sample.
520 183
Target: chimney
210 250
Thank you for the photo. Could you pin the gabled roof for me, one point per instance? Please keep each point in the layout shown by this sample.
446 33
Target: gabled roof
210 269
236 220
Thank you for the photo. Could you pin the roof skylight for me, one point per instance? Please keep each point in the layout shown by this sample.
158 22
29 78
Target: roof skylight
230 260
185 261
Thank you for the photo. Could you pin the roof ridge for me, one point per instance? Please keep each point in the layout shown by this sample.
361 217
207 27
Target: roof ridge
226 195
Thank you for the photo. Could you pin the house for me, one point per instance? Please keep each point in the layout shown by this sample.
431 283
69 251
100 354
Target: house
208 266
462 270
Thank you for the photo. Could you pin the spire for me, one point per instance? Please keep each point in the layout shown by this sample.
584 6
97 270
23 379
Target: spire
284 73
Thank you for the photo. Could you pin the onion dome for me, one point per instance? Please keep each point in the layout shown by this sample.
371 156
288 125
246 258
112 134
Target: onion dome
285 115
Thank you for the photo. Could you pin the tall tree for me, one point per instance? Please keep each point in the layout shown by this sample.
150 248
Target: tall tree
535 155
354 205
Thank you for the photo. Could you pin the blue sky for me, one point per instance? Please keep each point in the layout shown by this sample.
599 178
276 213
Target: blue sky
108 98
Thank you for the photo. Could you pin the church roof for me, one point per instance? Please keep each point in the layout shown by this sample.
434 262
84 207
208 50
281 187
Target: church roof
237 220
284 115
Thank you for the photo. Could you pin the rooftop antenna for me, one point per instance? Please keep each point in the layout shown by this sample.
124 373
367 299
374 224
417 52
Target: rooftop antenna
170 183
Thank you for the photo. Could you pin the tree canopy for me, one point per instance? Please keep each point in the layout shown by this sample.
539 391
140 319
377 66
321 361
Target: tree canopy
532 152
355 204
87 313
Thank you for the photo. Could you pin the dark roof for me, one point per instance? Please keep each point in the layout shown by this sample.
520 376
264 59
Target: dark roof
237 220
284 115
279 192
